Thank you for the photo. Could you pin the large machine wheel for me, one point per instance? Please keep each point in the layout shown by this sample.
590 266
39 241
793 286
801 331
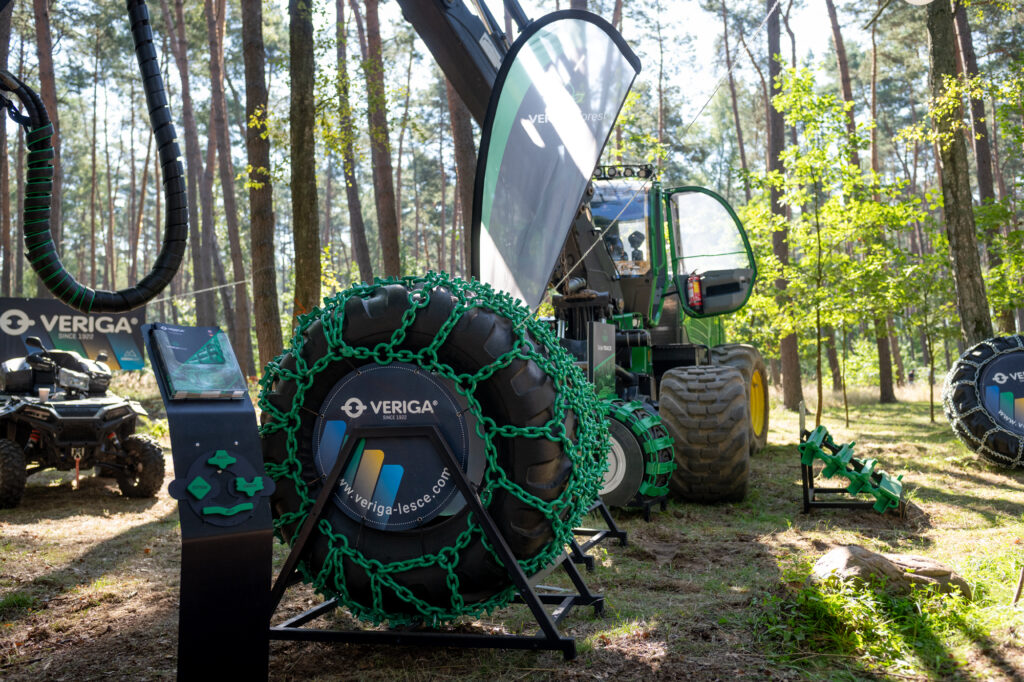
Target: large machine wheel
983 399
144 475
705 410
12 474
747 359
537 419
640 460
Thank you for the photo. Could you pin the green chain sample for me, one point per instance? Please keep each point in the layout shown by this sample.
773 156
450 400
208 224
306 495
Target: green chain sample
863 476
534 342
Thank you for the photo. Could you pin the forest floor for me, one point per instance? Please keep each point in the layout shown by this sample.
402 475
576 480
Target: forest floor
89 581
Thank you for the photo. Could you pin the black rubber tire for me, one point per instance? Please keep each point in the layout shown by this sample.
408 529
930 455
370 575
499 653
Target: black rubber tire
706 411
12 474
625 466
146 457
747 359
996 442
521 394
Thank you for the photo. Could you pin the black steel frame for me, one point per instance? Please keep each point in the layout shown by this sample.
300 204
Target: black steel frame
548 636
578 551
811 491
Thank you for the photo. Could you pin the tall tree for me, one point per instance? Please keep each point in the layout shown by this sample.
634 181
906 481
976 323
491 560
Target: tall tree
202 268
735 103
465 162
972 303
302 114
48 93
380 144
5 175
845 85
357 228
216 16
792 385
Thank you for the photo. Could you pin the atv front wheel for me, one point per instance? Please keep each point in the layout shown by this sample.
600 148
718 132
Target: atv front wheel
12 474
749 362
143 475
705 410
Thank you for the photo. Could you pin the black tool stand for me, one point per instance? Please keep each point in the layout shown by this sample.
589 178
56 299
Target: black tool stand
226 535
578 551
547 638
650 503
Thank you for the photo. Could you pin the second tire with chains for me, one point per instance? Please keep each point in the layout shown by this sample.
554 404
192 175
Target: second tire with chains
640 460
706 411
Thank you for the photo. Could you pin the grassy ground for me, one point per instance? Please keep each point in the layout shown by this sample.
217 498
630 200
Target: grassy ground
88 581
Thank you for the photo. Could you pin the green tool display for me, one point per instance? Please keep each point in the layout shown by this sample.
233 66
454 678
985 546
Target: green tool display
863 476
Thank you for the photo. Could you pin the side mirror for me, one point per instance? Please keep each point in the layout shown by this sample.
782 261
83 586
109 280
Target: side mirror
102 356
34 342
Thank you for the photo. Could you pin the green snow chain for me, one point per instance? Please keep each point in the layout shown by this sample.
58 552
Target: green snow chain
863 476
656 442
534 342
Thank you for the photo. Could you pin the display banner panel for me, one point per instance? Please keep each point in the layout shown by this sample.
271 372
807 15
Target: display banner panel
63 328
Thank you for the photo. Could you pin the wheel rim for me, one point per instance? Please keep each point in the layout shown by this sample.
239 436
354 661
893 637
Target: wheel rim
757 402
616 467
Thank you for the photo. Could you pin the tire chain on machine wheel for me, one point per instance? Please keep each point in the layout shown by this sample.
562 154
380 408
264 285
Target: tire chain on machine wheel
996 440
656 446
538 417
747 359
706 411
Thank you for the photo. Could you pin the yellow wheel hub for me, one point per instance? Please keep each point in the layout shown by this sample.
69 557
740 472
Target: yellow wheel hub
757 402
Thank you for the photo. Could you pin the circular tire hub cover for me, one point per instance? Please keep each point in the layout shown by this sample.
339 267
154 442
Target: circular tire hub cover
1002 390
397 482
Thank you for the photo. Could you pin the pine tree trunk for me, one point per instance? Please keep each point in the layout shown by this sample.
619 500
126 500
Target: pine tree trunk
833 358
792 388
215 18
357 228
465 163
733 100
897 355
380 145
846 88
886 394
48 93
972 303
202 275
266 314
305 224
5 174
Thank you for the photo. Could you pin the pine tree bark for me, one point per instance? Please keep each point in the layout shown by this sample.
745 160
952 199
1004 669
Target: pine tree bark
305 223
380 145
357 228
734 100
792 387
465 162
885 386
48 93
202 274
216 15
972 303
5 174
844 77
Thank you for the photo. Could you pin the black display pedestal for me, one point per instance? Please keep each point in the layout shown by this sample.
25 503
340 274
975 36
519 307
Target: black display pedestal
548 636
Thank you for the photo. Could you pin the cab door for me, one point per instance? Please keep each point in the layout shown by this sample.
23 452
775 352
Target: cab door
712 263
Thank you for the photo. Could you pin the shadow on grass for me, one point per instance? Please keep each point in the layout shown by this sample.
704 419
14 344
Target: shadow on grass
56 501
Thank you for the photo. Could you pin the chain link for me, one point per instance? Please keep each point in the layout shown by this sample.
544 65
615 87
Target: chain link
534 342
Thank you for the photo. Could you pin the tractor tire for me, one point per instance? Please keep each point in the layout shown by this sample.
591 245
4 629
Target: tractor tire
145 461
520 394
625 470
983 399
12 474
706 411
747 359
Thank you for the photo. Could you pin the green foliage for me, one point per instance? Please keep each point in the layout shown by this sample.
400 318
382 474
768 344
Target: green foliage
899 634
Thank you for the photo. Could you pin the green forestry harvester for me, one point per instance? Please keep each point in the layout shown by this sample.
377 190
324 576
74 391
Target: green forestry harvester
661 265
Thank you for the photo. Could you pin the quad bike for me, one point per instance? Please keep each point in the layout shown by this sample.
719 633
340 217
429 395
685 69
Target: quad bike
56 413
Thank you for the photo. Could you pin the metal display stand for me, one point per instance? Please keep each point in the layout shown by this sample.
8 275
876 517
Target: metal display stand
578 551
548 636
226 534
